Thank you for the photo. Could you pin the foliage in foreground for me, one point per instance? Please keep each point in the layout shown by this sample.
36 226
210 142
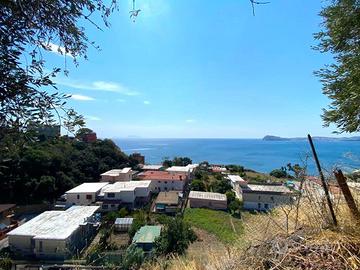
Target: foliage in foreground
340 36
175 237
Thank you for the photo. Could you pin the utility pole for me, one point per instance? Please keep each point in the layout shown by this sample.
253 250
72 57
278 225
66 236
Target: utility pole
325 187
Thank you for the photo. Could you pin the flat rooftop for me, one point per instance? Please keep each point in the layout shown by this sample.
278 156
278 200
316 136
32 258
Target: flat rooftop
88 188
152 167
236 178
267 188
162 176
207 196
128 186
171 197
56 224
147 234
117 172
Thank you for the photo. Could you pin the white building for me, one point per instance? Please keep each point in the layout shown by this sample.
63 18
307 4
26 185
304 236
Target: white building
117 175
125 194
55 234
211 200
164 180
237 182
189 169
84 194
265 197
152 167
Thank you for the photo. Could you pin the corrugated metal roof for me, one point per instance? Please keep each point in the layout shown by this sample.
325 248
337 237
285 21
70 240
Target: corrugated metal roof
129 186
207 196
56 224
124 221
147 234
267 188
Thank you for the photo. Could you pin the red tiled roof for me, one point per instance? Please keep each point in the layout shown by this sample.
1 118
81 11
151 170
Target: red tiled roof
162 175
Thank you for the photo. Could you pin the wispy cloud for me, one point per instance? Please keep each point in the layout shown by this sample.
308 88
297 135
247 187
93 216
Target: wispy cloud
57 49
92 118
146 102
190 120
81 97
98 86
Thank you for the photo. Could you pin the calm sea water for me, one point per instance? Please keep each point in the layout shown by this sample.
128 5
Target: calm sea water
256 154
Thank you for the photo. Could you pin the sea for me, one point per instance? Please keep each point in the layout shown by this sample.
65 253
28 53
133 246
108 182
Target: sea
256 154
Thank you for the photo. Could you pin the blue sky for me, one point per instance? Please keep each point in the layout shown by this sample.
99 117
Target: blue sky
202 69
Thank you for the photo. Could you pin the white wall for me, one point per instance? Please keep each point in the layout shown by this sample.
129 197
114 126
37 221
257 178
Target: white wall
80 198
264 201
168 185
21 243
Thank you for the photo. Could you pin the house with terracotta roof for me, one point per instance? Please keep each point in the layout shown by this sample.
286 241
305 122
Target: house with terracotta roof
164 180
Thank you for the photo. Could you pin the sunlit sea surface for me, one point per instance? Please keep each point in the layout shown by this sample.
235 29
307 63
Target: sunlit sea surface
256 154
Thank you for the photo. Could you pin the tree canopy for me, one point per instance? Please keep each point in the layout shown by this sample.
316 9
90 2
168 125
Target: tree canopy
45 170
340 36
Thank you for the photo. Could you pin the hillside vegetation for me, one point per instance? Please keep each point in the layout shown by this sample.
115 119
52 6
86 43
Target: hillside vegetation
42 171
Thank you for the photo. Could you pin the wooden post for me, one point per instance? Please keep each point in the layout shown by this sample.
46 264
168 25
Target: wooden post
347 194
325 187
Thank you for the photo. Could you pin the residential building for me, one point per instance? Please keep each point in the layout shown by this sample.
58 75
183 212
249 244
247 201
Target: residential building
89 137
138 157
152 167
55 234
211 200
116 175
167 202
123 224
217 168
237 182
265 197
164 180
84 194
188 170
131 194
145 237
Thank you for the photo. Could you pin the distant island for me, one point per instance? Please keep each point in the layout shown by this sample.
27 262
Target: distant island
277 138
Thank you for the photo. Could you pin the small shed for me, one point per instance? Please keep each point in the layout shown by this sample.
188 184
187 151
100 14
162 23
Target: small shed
123 224
145 237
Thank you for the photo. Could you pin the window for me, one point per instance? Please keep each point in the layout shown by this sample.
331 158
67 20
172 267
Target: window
112 206
78 197
266 206
111 195
105 206
166 188
259 205
259 198
272 198
165 182
40 246
172 182
88 196
159 182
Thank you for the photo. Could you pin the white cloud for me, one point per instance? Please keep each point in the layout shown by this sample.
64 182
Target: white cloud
57 49
92 118
146 102
190 120
81 97
98 85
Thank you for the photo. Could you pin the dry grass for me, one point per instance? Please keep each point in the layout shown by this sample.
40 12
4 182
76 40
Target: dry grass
300 236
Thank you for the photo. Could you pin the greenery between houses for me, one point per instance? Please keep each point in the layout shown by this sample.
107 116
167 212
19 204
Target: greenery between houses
221 224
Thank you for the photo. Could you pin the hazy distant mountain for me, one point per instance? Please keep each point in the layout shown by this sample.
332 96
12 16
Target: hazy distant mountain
277 138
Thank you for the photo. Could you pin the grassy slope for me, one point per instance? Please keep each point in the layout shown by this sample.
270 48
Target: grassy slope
215 222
